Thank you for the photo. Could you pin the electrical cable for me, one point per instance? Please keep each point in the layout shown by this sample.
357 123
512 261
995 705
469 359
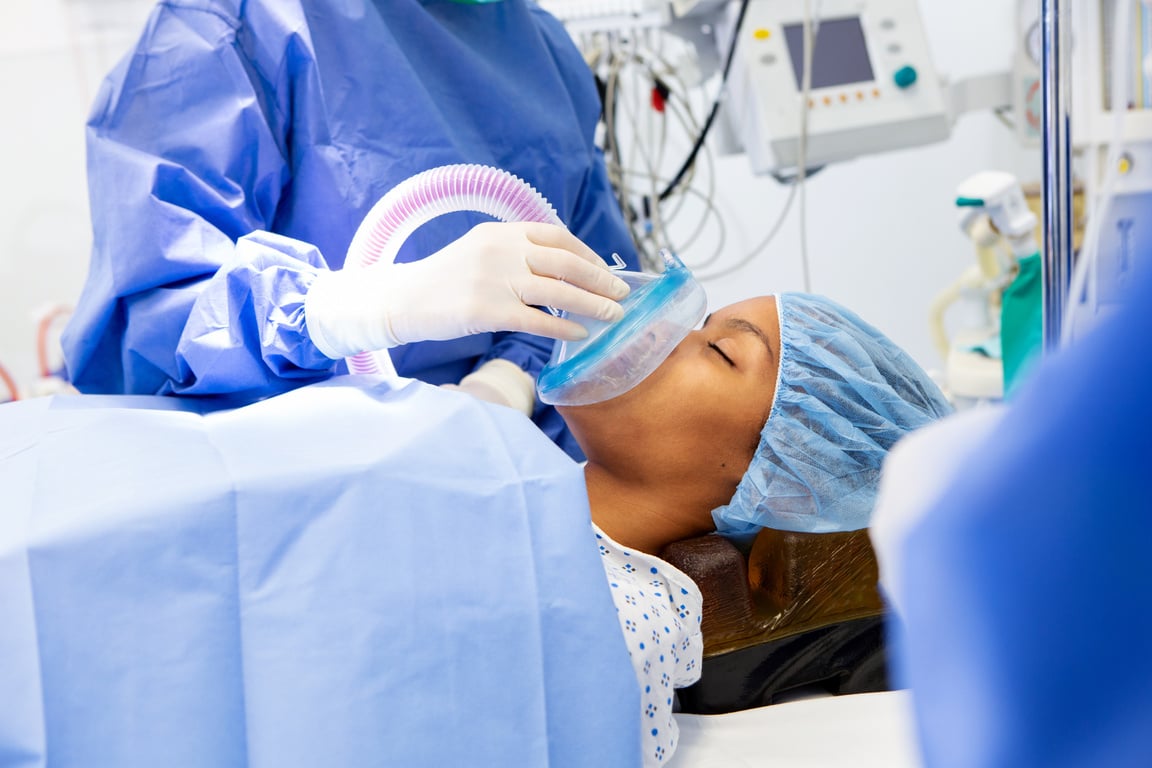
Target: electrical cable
802 146
711 212
659 234
720 94
680 107
638 63
638 146
644 69
708 199
677 107
810 30
665 75
613 156
780 218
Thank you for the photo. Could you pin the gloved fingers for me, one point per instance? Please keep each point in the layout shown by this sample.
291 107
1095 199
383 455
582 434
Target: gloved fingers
563 265
553 260
546 292
553 236
541 323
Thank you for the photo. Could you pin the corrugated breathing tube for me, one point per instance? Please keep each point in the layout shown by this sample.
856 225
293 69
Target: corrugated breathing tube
423 197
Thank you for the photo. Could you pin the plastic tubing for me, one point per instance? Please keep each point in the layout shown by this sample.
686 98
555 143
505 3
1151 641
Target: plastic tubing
423 197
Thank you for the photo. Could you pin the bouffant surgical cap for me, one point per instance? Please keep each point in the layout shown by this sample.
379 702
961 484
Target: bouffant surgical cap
844 395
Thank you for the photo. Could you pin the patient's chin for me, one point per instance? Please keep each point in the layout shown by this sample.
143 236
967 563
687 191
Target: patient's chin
592 411
602 430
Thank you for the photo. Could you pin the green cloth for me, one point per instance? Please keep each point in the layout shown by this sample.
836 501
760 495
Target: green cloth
1021 322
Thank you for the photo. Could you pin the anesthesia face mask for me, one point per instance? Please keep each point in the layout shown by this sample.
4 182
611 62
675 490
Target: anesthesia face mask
659 313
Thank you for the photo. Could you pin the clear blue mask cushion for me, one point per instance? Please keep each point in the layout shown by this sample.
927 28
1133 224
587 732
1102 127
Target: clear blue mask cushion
659 313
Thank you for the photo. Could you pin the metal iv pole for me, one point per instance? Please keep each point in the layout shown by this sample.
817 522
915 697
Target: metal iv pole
1057 173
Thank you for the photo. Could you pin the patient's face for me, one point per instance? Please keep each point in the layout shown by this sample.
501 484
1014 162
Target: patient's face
704 407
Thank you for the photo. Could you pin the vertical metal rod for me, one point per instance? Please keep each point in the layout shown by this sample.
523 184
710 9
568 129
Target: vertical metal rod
1057 178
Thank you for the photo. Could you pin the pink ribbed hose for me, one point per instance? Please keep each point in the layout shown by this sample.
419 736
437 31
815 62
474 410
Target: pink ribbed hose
425 196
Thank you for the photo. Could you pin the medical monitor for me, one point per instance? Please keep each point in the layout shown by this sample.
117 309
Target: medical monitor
839 57
873 85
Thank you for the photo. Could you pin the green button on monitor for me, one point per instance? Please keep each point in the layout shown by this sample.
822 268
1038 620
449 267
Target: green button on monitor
905 77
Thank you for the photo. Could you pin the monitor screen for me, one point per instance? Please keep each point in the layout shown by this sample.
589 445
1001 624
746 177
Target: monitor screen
839 57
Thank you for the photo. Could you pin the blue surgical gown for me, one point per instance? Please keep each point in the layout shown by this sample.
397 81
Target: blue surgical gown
1027 583
294 117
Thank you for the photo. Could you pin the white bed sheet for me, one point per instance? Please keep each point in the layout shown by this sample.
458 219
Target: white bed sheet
857 730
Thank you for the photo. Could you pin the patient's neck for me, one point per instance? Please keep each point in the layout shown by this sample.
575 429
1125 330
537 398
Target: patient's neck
638 515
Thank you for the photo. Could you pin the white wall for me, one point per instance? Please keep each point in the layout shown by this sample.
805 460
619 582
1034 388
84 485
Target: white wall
53 54
881 233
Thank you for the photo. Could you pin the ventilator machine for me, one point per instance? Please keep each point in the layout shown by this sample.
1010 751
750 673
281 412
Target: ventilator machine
806 83
866 85
792 86
800 84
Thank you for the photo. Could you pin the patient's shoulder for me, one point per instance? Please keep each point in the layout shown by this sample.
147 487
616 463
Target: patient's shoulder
659 609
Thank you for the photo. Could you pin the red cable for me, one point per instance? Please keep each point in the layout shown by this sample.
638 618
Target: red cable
658 100
10 383
42 332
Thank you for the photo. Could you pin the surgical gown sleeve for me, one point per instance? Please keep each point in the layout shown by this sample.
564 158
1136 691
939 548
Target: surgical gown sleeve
1025 586
234 120
186 155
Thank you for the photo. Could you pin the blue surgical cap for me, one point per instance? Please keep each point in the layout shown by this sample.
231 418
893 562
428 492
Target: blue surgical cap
844 395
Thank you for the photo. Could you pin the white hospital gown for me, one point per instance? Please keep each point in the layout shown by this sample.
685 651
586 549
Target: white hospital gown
659 609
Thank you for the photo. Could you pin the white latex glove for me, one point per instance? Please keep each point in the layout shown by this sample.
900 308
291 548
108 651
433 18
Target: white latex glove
486 280
500 382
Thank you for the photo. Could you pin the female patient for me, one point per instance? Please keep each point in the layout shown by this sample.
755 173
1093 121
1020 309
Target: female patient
370 572
778 412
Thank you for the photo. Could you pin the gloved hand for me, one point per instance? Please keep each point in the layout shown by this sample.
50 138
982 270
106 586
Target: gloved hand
500 382
486 280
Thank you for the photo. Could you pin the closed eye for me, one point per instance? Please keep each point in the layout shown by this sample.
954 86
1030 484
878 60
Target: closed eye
721 353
